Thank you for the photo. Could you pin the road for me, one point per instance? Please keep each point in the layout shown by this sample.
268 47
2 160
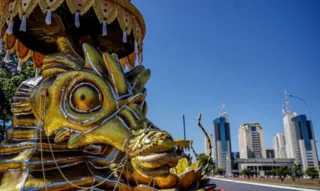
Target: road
233 186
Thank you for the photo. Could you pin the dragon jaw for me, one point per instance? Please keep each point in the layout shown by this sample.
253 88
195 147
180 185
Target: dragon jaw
99 104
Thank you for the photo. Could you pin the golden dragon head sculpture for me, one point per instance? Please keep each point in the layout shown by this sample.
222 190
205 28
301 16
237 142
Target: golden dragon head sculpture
81 122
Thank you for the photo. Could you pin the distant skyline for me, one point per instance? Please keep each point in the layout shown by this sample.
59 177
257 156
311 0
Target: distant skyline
244 53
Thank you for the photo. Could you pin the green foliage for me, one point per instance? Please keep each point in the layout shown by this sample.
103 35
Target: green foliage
247 172
282 172
312 173
219 171
203 159
296 172
9 83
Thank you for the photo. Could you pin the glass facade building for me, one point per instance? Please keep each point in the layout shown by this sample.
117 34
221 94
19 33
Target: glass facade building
270 153
306 147
222 143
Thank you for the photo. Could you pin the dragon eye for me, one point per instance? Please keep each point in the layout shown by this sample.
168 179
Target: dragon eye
85 98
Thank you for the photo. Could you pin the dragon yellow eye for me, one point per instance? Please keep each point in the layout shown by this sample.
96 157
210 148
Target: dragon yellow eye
85 98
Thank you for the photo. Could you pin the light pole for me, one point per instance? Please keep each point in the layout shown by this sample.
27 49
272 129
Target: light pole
184 127
299 98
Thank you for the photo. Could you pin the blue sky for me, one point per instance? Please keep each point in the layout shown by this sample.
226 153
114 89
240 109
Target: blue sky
242 52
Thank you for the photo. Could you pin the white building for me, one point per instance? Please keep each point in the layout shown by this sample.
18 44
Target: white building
279 145
251 141
299 138
291 141
213 153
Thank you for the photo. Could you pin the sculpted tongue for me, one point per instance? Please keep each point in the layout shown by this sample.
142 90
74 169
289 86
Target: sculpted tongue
157 160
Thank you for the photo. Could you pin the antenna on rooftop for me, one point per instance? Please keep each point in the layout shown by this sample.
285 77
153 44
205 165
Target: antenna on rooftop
223 110
283 111
223 107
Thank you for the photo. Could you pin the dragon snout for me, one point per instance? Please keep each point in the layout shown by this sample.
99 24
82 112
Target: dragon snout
153 141
155 154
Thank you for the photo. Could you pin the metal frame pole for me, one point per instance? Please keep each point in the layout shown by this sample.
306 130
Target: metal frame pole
184 128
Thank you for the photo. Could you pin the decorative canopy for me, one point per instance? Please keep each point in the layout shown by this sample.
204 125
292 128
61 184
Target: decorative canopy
31 27
183 144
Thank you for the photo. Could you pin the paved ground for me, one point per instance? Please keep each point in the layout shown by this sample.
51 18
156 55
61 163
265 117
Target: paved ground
233 186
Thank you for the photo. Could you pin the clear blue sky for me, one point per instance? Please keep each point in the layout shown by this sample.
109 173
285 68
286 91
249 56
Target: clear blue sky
242 52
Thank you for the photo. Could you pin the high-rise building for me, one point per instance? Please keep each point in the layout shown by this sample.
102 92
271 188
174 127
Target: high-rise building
291 141
279 146
306 147
270 153
299 138
234 157
207 144
213 152
222 143
251 141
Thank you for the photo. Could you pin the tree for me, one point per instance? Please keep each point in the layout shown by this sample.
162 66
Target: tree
247 172
312 173
281 172
10 79
219 171
204 160
296 172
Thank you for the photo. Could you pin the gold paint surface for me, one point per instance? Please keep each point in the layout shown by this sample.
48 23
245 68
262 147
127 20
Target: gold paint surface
181 166
187 179
81 117
167 182
12 181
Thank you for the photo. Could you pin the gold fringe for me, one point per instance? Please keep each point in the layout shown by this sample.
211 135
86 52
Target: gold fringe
124 16
26 10
115 10
7 38
49 6
3 5
73 6
110 15
17 49
137 32
13 8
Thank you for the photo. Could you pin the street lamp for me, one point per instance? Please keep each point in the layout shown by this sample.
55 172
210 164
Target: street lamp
299 98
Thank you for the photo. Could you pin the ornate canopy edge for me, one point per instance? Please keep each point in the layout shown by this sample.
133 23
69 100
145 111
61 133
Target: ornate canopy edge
182 144
128 16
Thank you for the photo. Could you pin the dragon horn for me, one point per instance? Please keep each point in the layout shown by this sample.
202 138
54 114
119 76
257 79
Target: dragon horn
134 73
145 108
138 77
93 60
117 77
141 80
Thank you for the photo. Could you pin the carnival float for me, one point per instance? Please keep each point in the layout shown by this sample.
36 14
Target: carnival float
80 123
